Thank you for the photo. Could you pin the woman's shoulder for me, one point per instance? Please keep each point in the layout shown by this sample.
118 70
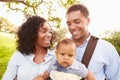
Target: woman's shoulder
17 55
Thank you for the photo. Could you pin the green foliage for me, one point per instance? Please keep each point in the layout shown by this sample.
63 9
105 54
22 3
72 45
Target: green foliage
114 38
56 21
28 6
68 3
7 47
48 8
57 36
6 26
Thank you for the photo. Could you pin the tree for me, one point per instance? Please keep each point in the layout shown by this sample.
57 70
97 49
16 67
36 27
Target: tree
49 8
114 38
6 26
68 3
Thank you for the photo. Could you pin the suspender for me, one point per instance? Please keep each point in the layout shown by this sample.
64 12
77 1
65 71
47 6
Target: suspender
89 51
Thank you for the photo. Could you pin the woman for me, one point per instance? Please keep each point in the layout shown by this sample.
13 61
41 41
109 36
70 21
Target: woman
33 56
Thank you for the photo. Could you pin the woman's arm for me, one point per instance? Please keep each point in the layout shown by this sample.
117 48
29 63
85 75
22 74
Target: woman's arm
12 68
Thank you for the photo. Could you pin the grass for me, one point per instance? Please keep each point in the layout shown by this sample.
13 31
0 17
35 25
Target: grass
7 48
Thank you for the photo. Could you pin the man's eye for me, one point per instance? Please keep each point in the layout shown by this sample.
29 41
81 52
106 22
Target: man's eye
68 24
77 21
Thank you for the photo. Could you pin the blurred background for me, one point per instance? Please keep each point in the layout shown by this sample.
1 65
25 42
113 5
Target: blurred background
104 15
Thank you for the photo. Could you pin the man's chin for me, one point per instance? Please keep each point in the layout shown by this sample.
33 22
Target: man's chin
75 37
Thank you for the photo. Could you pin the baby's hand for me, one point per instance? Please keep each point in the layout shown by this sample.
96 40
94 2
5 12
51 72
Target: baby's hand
43 76
46 75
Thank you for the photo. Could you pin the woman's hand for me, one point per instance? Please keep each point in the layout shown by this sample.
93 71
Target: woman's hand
43 76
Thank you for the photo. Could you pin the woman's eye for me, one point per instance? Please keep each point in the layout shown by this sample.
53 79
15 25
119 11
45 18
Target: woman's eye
50 31
42 31
77 21
45 31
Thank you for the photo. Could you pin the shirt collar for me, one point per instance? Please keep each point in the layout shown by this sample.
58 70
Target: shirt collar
88 38
30 57
86 41
75 65
49 53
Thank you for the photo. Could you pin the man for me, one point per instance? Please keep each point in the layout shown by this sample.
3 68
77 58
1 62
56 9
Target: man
105 61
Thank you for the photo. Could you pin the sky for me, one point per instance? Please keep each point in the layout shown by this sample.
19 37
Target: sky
104 15
15 18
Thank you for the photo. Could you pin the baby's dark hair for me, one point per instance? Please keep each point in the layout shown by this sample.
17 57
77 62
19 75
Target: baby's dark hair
65 41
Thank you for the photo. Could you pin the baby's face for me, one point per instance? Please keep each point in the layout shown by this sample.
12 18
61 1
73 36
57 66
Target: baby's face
66 54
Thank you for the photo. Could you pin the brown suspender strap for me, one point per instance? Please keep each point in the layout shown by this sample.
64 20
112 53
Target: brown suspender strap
89 50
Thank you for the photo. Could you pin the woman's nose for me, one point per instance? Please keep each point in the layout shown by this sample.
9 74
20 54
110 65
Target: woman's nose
49 34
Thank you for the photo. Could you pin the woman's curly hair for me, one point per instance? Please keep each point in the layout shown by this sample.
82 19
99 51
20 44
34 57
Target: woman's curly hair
27 34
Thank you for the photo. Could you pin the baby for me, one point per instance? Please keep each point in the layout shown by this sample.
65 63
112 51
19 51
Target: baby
66 67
